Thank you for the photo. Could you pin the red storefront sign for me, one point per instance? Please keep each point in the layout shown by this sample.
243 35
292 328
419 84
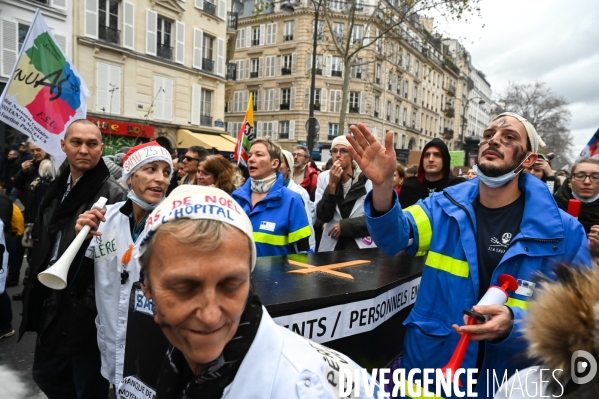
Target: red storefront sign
123 128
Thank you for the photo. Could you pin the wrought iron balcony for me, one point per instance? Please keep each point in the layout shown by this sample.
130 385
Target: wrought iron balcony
209 8
354 110
205 120
338 74
376 114
255 42
286 71
447 134
231 71
164 51
207 65
288 38
254 75
449 112
317 107
284 106
110 35
232 20
450 89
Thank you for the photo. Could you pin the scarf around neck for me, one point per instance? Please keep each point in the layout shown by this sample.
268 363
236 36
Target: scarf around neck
264 185
177 381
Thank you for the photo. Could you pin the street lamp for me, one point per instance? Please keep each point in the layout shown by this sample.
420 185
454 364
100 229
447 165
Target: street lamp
312 122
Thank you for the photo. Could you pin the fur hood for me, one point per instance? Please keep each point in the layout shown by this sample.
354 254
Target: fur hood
564 318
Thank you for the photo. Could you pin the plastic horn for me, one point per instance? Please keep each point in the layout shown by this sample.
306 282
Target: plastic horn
494 296
574 207
55 277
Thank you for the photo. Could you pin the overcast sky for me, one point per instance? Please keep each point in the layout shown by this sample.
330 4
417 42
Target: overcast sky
555 41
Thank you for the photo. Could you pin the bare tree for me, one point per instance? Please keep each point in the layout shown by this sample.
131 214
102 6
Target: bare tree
547 112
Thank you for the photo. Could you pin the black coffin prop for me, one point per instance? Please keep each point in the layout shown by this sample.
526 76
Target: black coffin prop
309 295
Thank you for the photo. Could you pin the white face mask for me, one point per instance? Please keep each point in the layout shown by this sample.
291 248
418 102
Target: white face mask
494 182
585 200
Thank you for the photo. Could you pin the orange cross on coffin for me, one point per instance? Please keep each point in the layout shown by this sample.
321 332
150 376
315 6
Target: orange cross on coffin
328 269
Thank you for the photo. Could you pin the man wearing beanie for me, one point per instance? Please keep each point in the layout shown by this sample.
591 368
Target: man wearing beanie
501 222
340 202
67 360
147 170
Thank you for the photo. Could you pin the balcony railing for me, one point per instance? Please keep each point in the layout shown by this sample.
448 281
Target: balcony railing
284 135
207 65
255 42
450 89
449 112
354 110
231 71
331 136
288 38
377 80
358 75
376 114
111 35
205 120
447 134
285 71
164 51
209 7
338 74
232 20
319 71
253 75
317 107
284 106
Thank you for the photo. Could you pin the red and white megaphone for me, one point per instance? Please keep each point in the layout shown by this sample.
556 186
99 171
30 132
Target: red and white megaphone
494 296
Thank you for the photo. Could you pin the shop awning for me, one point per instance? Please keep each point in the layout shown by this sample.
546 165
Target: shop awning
186 139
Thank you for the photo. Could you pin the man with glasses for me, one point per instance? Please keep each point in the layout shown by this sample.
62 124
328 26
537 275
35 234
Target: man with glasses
340 202
191 162
303 174
584 186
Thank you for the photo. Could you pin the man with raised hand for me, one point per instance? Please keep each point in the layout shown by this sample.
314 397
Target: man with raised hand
472 233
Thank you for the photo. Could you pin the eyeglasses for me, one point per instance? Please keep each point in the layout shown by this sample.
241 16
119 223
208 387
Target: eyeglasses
581 176
189 159
342 151
298 154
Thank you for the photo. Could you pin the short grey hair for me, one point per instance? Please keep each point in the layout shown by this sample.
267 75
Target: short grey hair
303 148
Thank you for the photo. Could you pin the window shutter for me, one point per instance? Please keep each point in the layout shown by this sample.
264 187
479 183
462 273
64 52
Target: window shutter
306 98
168 99
239 72
375 131
347 106
292 99
220 58
222 9
10 47
91 19
102 78
199 4
259 129
159 97
308 62
262 32
366 40
259 100
229 106
62 4
240 41
372 106
198 39
328 59
278 66
246 97
229 128
261 67
291 130
248 36
275 129
151 31
323 100
180 43
392 113
293 63
247 68
277 99
128 25
274 33
196 100
114 99
62 43
362 102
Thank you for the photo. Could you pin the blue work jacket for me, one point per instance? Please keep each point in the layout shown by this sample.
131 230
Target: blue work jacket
443 227
279 220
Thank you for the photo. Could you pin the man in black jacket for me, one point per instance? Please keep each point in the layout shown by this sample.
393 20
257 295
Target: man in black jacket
67 359
434 174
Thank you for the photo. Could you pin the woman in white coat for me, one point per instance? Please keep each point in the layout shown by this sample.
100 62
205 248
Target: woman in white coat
146 172
197 255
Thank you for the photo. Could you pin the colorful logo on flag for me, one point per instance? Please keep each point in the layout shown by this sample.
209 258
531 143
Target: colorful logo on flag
246 135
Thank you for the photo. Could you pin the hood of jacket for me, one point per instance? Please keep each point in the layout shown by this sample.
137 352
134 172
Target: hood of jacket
436 142
564 318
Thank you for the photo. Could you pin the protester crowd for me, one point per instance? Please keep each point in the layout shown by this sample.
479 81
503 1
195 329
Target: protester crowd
471 228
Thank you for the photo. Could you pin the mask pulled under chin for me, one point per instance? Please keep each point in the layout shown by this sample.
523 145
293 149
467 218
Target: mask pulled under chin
146 206
494 182
585 200
263 185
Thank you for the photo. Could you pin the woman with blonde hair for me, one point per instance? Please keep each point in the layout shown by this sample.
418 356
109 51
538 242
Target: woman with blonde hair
216 171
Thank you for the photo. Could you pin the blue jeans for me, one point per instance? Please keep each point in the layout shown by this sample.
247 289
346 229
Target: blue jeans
76 377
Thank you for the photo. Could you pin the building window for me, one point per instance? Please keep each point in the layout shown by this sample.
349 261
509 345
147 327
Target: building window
377 106
397 114
354 102
288 36
255 64
256 36
284 129
318 63
108 20
320 34
285 98
336 4
207 61
388 111
269 100
357 69
270 66
357 34
163 39
377 73
239 70
317 98
338 29
286 67
335 101
23 29
336 67
240 42
206 108
333 131
256 100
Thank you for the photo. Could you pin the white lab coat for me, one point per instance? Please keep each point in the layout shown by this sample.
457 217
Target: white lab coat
310 210
112 297
327 243
282 364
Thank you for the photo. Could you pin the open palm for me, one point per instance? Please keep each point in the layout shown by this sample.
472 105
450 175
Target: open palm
377 162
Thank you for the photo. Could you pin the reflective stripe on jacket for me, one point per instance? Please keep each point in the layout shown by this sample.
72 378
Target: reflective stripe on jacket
443 227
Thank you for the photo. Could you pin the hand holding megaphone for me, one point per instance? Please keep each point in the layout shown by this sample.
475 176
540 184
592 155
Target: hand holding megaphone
55 277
